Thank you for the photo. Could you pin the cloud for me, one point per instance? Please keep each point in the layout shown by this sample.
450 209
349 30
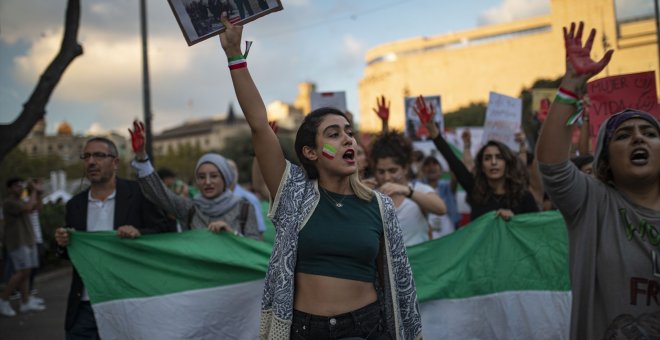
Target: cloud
510 10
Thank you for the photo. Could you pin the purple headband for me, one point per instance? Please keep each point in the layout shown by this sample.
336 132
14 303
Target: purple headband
611 124
618 118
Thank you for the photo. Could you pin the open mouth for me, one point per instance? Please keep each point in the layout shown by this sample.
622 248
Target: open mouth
349 156
639 157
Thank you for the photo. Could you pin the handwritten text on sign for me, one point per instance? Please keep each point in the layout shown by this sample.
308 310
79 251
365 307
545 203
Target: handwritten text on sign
503 118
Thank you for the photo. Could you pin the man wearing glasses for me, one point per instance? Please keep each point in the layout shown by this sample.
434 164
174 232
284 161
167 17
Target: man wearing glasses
110 203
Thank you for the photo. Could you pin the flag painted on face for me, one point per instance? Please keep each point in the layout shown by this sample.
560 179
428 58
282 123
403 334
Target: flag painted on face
489 280
329 151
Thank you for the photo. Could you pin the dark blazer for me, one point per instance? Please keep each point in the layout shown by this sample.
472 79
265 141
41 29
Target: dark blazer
131 208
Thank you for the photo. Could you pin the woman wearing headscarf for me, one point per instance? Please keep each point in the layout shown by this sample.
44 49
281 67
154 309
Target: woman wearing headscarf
215 207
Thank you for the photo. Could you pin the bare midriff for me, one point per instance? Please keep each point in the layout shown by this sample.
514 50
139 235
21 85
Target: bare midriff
329 296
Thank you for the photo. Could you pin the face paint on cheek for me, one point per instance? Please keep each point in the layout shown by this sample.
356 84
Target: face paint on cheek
329 152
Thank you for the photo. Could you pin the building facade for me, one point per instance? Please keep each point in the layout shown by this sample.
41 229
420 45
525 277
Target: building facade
506 58
64 144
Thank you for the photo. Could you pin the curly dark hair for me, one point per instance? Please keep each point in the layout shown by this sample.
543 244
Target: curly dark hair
392 144
515 177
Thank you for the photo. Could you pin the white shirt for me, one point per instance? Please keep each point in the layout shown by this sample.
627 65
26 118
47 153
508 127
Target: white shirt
100 217
100 214
412 220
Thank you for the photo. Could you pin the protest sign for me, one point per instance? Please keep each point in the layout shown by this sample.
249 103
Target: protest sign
335 99
414 128
200 19
614 94
541 99
503 118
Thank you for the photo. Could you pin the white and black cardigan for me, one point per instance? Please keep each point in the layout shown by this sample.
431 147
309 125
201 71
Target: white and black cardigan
294 203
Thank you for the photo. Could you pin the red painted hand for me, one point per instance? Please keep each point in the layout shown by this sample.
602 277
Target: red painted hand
424 113
382 110
578 55
137 136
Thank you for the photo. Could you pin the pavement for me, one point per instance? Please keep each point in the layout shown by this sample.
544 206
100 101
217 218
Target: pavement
53 286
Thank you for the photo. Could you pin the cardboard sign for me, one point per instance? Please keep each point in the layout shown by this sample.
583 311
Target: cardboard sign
503 119
414 128
336 100
617 93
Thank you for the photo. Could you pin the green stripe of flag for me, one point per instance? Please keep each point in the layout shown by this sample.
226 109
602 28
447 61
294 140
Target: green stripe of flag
487 256
114 268
491 256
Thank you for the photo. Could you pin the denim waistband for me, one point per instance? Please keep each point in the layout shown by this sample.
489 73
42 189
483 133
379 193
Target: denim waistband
370 309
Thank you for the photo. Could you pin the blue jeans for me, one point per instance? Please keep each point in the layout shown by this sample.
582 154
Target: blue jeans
364 323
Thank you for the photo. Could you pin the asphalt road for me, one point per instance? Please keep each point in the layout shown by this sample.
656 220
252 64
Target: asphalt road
53 286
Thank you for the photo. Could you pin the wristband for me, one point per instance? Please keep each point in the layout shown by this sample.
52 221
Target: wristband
568 97
411 192
146 159
237 62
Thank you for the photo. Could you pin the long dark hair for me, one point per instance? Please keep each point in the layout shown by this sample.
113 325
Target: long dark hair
515 177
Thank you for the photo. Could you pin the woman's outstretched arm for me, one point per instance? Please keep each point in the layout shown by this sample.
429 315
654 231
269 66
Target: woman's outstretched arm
266 145
555 139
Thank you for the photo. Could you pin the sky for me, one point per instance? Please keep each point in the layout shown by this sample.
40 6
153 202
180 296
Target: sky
321 41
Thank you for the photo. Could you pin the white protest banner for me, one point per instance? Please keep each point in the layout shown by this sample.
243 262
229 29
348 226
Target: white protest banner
414 128
503 119
335 99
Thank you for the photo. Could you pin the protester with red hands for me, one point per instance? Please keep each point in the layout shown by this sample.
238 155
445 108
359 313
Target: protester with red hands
612 219
499 181
382 110
339 267
215 208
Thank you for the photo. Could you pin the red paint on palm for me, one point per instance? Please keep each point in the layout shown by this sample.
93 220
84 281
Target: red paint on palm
382 109
137 136
423 112
578 55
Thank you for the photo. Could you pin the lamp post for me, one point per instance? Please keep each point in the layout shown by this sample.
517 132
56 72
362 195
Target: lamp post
146 93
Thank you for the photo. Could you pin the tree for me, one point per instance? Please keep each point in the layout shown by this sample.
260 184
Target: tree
35 108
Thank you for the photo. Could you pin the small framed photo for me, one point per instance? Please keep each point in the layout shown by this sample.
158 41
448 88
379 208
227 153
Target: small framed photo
200 19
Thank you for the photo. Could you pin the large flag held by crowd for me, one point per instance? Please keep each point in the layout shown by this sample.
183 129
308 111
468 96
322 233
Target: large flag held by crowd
489 280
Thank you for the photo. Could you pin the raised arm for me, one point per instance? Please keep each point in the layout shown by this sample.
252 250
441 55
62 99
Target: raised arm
266 145
382 110
463 175
555 139
468 160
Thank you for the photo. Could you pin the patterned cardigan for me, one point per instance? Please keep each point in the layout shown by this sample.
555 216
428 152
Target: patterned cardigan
294 203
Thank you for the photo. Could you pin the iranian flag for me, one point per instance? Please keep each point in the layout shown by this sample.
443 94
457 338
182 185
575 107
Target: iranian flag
489 280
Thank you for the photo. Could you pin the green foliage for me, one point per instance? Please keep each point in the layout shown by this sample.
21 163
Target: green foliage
472 115
240 149
182 161
51 217
18 164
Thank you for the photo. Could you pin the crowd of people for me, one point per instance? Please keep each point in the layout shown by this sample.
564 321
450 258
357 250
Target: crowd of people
344 212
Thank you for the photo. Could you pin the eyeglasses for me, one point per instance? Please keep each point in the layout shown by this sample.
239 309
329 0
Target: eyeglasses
96 155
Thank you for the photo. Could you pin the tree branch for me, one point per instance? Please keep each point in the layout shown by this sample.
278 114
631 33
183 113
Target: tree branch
35 108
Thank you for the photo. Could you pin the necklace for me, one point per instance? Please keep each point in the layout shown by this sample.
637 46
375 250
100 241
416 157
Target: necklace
337 204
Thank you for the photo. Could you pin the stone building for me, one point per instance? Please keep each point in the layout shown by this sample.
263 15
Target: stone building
464 67
64 144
